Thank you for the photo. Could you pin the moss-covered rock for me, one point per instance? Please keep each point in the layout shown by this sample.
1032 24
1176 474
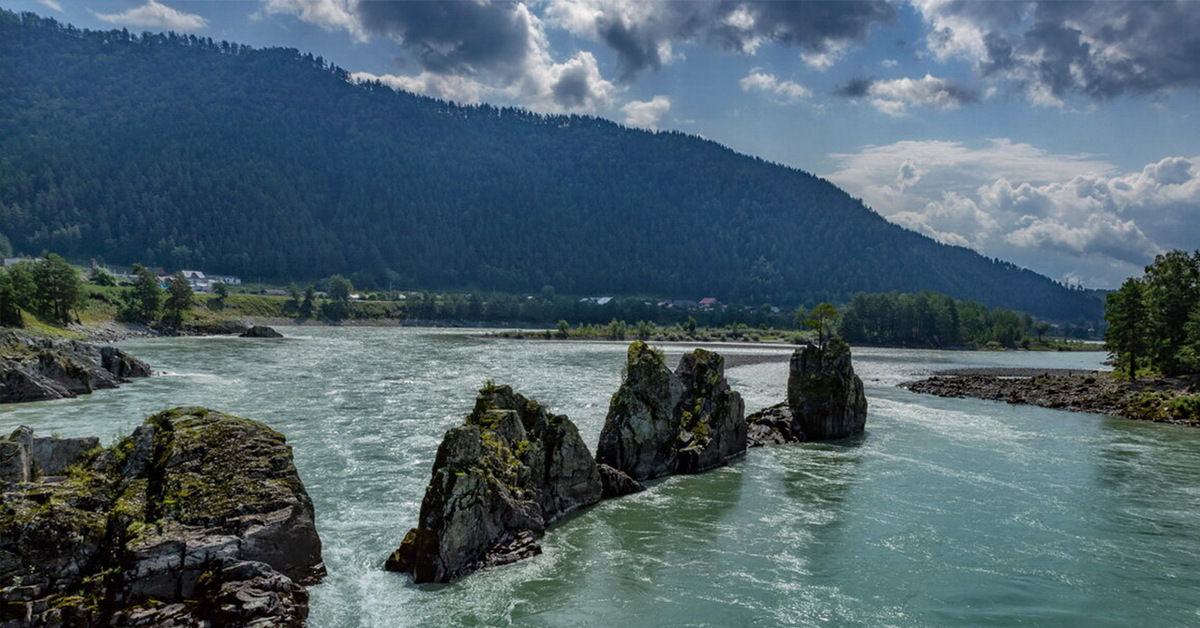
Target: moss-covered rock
825 399
196 517
661 422
712 423
641 430
498 480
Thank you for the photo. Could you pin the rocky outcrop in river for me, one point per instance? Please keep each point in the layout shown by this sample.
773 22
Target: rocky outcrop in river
498 480
196 519
825 399
661 422
36 369
512 468
261 331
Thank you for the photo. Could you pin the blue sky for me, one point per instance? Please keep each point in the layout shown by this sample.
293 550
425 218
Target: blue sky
1057 135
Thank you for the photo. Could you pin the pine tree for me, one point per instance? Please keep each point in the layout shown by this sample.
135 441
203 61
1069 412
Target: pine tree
179 299
145 298
1125 311
822 318
308 306
1172 291
59 289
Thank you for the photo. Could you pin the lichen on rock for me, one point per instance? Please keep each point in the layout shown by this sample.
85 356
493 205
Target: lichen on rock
198 517
825 399
498 480
661 422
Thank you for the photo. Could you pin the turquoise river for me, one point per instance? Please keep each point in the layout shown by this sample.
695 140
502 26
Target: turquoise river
946 513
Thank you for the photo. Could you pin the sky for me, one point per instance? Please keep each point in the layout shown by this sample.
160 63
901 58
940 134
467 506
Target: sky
1061 136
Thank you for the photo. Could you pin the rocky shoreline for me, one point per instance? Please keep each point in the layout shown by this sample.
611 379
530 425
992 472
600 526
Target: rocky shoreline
1161 399
35 368
196 519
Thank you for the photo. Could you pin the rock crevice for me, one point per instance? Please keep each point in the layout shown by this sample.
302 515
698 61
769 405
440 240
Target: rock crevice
660 422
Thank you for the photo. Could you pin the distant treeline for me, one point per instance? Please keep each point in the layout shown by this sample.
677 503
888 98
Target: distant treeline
55 292
269 164
546 309
928 319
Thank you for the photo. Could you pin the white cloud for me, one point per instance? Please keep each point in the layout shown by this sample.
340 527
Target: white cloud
460 89
824 59
783 92
467 51
894 97
155 15
646 113
331 15
572 86
936 93
51 4
1063 215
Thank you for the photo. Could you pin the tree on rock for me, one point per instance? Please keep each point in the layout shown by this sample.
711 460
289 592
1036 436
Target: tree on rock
823 318
825 399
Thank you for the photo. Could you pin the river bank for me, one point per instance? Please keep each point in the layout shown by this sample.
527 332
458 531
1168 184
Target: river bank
1160 399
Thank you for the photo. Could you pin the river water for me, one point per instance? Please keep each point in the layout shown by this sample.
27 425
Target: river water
948 512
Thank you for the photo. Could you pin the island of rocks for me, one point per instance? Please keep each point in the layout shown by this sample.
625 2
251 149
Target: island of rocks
196 519
35 369
1159 399
513 468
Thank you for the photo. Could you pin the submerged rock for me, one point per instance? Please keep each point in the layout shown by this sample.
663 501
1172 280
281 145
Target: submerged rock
498 480
617 483
661 422
198 518
261 331
36 369
825 399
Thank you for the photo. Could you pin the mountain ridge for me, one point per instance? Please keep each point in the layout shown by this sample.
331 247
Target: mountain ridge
271 164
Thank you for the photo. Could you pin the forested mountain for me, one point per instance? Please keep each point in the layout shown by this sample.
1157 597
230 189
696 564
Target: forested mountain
270 164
